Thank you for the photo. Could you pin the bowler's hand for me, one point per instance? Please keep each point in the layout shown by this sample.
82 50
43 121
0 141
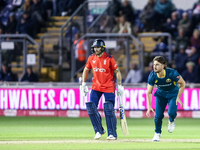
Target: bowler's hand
178 100
84 90
120 90
148 112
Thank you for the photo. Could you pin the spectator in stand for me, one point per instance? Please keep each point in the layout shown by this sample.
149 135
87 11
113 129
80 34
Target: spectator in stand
123 26
39 15
128 11
195 39
11 26
146 14
163 10
3 4
181 59
113 14
184 23
193 55
29 76
195 20
117 8
146 75
171 25
6 74
39 11
80 52
134 75
26 7
181 40
67 7
25 25
190 75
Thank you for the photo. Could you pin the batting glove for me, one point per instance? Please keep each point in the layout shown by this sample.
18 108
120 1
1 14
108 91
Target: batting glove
120 90
84 89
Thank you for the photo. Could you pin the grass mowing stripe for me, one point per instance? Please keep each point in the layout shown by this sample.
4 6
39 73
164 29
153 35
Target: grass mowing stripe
77 133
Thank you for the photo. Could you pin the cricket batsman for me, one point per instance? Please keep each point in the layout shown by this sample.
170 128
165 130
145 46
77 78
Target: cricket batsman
168 92
103 66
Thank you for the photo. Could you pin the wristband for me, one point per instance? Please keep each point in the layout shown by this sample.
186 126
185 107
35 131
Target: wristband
83 83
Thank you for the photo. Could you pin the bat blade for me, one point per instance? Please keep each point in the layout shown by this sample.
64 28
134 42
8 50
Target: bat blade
123 121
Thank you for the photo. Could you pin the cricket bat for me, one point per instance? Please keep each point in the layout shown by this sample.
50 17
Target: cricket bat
123 118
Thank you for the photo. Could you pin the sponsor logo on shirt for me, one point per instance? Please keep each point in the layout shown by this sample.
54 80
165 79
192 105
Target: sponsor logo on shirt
93 61
178 77
99 69
115 65
168 80
156 81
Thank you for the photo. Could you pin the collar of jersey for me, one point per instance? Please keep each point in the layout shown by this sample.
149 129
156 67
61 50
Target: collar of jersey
164 74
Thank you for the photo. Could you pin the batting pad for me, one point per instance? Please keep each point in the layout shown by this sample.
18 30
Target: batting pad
111 120
94 117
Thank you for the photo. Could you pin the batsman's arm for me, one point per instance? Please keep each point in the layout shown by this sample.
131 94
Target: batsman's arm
149 99
85 74
119 76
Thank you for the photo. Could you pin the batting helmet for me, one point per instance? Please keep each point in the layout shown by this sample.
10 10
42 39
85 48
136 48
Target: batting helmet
98 43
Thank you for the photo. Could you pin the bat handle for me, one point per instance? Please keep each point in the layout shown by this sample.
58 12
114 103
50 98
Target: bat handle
120 102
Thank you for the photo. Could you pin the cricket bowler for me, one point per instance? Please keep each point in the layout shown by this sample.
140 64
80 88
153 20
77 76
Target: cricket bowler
168 92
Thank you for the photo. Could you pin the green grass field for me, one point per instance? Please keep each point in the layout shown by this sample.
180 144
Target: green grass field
56 133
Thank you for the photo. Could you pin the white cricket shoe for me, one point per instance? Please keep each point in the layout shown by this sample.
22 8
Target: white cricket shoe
156 137
171 126
111 137
98 135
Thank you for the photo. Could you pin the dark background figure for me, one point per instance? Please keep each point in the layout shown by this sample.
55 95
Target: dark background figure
195 39
171 25
181 40
6 73
39 15
193 55
25 25
29 76
146 14
185 22
128 11
146 74
181 59
190 75
162 11
11 26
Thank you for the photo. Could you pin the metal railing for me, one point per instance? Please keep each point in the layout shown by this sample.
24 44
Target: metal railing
24 38
43 37
63 28
108 37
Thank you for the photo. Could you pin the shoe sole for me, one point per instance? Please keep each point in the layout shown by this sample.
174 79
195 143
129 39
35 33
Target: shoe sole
155 141
112 139
169 131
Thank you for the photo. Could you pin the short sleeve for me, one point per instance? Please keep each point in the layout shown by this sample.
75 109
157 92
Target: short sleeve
175 76
151 79
114 65
88 64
